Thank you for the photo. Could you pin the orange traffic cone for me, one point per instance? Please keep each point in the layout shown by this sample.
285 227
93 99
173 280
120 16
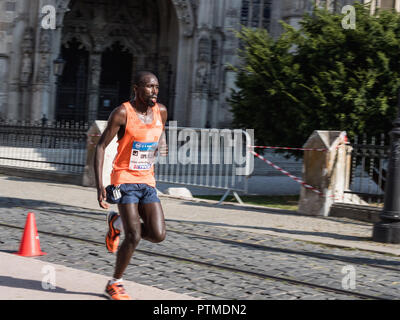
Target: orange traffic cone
30 246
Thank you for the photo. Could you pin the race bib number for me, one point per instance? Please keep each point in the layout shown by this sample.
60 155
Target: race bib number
142 156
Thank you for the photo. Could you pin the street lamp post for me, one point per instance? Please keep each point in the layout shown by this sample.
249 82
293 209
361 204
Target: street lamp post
388 229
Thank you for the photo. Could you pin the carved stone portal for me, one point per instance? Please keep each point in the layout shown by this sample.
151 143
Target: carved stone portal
134 26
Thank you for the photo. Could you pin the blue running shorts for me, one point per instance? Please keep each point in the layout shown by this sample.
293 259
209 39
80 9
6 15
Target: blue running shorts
131 193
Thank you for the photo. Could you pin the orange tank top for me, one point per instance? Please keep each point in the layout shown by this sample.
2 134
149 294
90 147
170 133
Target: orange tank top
135 154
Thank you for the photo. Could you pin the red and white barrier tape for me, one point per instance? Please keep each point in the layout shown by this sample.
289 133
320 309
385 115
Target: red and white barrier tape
346 141
287 148
304 184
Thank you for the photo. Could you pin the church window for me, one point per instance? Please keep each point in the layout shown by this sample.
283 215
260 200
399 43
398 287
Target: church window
256 13
10 6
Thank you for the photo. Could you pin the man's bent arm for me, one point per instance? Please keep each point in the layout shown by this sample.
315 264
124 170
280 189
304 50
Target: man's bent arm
115 121
163 142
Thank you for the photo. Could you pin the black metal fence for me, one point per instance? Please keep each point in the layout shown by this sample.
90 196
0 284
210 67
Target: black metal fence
61 147
53 146
369 163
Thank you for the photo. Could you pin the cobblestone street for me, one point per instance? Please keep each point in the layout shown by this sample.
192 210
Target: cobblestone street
203 242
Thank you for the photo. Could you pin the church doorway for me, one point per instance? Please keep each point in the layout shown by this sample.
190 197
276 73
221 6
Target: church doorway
115 79
72 85
104 43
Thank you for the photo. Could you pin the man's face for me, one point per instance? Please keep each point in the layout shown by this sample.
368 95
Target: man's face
147 90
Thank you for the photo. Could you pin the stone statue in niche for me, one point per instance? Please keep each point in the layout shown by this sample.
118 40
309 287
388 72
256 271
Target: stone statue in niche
26 69
44 70
201 78
45 41
27 43
95 69
27 49
204 50
98 41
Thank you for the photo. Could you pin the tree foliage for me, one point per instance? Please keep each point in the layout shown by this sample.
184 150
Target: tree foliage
319 77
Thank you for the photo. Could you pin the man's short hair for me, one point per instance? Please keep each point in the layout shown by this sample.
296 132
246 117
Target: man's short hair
138 79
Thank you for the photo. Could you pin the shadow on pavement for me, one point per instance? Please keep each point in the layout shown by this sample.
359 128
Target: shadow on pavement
271 211
314 253
6 281
8 202
299 232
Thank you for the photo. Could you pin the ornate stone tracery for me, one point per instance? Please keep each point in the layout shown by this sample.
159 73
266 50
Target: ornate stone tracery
27 50
185 13
108 28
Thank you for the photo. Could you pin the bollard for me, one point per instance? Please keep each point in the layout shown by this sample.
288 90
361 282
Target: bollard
327 171
93 137
388 229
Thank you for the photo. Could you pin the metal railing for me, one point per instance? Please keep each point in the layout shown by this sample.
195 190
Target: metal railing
51 146
368 168
211 158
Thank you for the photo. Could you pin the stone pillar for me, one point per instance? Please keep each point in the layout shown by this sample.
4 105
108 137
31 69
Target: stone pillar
3 85
184 75
293 10
397 5
42 87
185 14
229 44
327 171
93 137
276 28
202 67
12 34
373 5
94 85
26 72
199 98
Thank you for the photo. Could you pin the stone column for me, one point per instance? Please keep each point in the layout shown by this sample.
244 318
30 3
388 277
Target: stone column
11 36
26 72
199 96
3 85
397 5
229 45
373 5
293 10
202 66
42 87
184 76
184 59
94 85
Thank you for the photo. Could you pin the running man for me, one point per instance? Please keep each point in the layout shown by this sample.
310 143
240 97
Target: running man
140 126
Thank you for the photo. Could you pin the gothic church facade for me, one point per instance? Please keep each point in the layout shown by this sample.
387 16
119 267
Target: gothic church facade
188 44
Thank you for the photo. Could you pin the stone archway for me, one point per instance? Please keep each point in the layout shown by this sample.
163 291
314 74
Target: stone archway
158 52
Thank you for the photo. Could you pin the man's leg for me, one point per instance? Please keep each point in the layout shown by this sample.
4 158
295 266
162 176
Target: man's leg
132 229
153 227
132 226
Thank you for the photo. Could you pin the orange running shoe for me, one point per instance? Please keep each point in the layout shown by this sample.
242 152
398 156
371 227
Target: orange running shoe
112 237
116 291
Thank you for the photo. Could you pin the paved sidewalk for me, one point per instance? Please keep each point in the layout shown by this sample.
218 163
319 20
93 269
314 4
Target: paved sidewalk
340 232
23 278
